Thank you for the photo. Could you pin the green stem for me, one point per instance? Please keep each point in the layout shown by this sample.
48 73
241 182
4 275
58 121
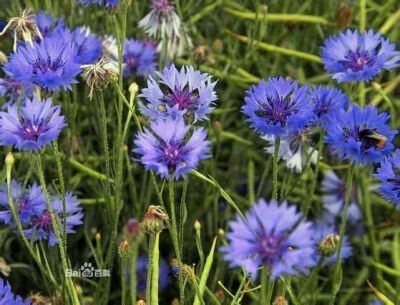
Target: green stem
337 273
275 169
361 94
174 236
363 15
149 269
154 277
133 281
264 282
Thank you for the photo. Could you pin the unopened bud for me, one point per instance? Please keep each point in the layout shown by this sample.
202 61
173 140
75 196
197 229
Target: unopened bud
201 54
141 302
133 89
97 236
10 159
376 86
175 302
280 300
197 225
132 230
3 58
124 250
328 245
221 232
155 219
343 15
217 126
187 271
218 46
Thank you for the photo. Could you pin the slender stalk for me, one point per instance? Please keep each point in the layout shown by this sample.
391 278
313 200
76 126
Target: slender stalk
275 169
361 94
154 277
363 15
149 269
264 282
174 236
336 275
133 280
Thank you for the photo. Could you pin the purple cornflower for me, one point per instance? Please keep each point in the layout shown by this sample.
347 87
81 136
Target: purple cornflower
31 127
8 298
162 21
322 230
40 225
106 3
186 93
272 236
165 149
140 58
351 56
29 202
47 23
277 107
326 101
389 177
296 149
50 64
88 46
141 273
360 135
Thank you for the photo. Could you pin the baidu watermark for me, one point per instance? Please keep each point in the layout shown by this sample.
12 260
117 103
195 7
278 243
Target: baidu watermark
87 270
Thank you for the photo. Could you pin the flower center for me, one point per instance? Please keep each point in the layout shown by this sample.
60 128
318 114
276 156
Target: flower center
173 156
163 7
275 111
32 131
43 65
23 204
357 61
269 248
44 221
131 61
183 98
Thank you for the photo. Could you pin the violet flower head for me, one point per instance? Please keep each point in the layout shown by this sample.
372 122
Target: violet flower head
187 93
31 127
326 101
277 107
354 57
29 202
7 297
162 21
164 148
11 90
47 23
389 176
40 226
271 236
50 64
360 135
140 58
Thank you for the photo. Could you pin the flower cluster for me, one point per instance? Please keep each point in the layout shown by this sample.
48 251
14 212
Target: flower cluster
106 3
8 298
34 214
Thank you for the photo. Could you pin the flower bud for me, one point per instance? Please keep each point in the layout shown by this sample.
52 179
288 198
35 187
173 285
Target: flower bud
218 46
124 250
133 89
217 126
155 219
175 301
197 225
343 15
280 300
221 232
10 159
328 245
132 230
376 86
141 302
3 58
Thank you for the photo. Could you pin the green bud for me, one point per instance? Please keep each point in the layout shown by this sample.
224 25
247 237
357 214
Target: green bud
329 245
155 219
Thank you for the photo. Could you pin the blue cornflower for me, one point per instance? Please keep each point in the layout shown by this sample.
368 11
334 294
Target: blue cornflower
333 198
47 23
40 225
351 56
8 298
321 231
31 127
50 64
106 3
271 236
141 273
326 101
360 135
140 57
165 149
186 93
29 202
277 107
88 46
389 176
